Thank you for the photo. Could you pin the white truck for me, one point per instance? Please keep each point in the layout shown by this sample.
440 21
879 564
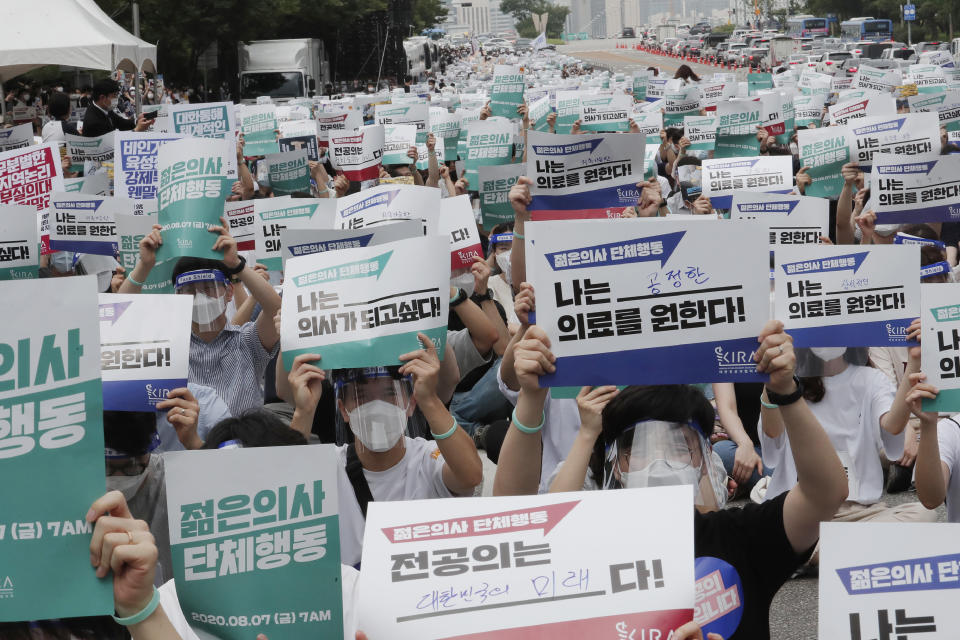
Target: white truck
666 31
282 69
781 48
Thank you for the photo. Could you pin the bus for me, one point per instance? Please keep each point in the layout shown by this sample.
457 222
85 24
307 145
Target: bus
807 27
857 29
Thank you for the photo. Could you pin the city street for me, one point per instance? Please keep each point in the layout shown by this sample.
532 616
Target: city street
604 53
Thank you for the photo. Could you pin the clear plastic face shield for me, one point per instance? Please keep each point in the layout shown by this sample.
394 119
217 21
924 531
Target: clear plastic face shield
126 473
376 405
653 453
209 288
501 244
829 361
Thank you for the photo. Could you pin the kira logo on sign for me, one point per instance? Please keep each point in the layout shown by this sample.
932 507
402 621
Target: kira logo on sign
6 588
735 361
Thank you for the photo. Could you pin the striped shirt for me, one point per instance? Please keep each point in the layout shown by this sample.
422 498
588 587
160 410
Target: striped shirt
233 364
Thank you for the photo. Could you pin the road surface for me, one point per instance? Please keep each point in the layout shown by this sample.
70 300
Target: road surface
604 53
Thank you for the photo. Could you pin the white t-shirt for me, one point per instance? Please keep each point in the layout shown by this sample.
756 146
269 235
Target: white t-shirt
418 475
560 426
349 581
948 436
850 413
503 294
52 132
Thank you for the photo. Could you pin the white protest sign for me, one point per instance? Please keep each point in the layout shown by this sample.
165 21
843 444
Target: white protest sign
808 109
19 242
568 110
701 131
16 137
458 224
397 140
229 527
445 127
584 176
364 307
358 154
144 348
525 569
909 137
790 219
94 150
28 177
296 135
83 223
940 318
713 93
656 87
241 220
841 296
928 78
879 80
605 113
97 184
417 114
679 101
336 122
687 297
135 168
889 580
878 105
725 176
302 242
904 192
296 213
388 203
650 124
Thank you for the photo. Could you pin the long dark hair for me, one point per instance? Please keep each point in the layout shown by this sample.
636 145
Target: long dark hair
92 628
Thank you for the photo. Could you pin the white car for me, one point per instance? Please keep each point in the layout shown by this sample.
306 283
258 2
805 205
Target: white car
830 61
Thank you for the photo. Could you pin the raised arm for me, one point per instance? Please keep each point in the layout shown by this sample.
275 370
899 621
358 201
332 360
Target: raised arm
932 475
573 471
519 199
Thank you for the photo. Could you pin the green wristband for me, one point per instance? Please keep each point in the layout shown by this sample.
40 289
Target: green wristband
444 436
768 405
519 235
134 282
526 429
144 613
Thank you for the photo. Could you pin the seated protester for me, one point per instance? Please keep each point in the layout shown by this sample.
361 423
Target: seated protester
937 472
658 435
501 243
687 200
228 358
739 412
474 344
135 469
376 407
59 109
187 415
862 412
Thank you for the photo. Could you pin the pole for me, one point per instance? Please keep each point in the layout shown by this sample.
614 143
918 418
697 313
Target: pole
135 9
383 55
909 40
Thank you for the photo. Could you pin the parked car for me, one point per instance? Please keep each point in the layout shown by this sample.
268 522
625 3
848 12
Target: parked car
755 58
733 52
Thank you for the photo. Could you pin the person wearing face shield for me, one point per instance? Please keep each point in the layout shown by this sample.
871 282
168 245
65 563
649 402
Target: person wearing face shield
657 435
230 359
501 284
101 116
379 409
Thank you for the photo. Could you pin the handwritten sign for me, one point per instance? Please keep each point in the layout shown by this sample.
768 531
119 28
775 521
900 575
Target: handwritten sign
790 219
388 203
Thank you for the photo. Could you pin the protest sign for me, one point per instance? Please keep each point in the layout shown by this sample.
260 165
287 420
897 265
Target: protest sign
639 85
726 176
568 110
840 83
605 113
278 531
650 125
506 93
466 117
808 110
878 80
910 137
97 184
417 114
888 580
521 569
941 343
23 113
135 166
686 298
928 78
537 112
83 223
358 154
583 176
207 120
701 131
296 135
295 213
489 142
757 82
945 104
737 122
258 124
96 151
302 242
445 127
240 219
824 151
16 137
790 219
288 172
28 176
388 203
835 296
190 197
714 92
494 189
337 122
680 101
397 140
877 105
904 192
19 242
53 448
291 112
364 307
130 230
457 223
774 115
144 348
656 88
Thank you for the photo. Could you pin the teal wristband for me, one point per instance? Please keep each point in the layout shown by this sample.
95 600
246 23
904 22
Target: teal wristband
519 235
145 613
526 429
768 405
444 436
132 281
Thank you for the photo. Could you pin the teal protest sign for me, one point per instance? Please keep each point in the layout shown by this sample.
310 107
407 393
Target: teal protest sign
489 142
506 94
824 151
256 552
757 82
258 124
445 127
495 184
737 122
51 450
288 172
190 197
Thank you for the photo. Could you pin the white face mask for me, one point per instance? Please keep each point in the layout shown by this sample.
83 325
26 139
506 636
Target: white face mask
794 149
828 353
503 261
127 485
378 424
150 94
206 309
659 474
113 103
464 281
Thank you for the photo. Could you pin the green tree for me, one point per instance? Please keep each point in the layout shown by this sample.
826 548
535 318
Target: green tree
427 13
524 10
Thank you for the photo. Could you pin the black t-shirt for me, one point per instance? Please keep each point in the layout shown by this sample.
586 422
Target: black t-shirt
753 542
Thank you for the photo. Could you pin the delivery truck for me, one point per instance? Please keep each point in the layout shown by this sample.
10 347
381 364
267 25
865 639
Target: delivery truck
282 69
